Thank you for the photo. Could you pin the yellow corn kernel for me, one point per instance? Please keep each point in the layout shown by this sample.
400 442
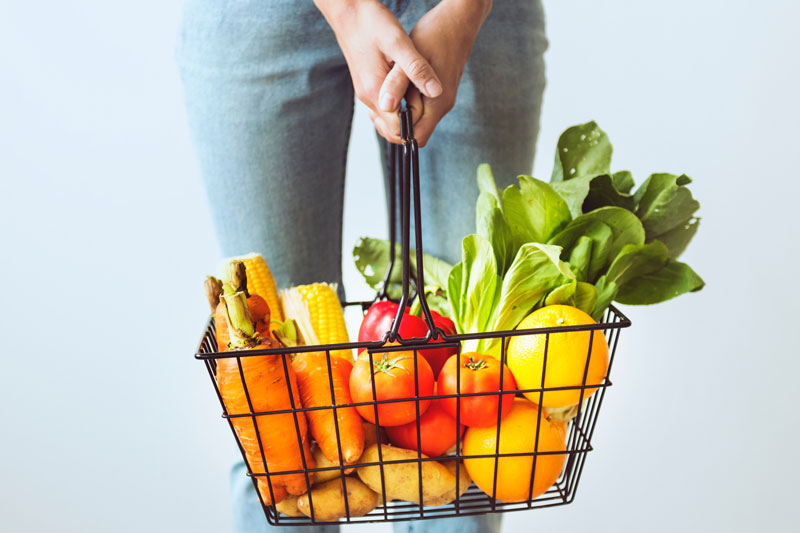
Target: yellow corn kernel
261 282
326 314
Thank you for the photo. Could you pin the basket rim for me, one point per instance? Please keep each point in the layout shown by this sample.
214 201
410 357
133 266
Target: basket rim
622 321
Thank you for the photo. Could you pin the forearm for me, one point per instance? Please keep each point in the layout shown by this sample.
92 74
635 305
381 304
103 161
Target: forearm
336 11
470 13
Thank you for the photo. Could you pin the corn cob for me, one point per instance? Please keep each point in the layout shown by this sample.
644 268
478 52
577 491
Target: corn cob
324 313
261 282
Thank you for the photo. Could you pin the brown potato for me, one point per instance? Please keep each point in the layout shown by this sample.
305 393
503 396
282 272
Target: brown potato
323 462
402 480
288 506
328 499
370 436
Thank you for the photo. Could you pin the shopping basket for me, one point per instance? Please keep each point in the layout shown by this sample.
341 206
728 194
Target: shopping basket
474 501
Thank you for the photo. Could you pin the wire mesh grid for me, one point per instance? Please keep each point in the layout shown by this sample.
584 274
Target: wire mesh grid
473 501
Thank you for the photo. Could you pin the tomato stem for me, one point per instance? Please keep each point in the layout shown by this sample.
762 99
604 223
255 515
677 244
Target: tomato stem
385 365
472 364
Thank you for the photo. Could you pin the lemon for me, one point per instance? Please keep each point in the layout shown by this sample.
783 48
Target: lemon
567 355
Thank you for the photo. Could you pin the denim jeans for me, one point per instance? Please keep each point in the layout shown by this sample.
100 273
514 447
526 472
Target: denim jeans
270 101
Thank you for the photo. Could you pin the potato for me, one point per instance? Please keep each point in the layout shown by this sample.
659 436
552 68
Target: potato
402 480
324 462
288 506
371 438
328 499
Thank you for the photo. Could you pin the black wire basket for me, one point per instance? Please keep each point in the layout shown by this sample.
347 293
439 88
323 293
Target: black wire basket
473 501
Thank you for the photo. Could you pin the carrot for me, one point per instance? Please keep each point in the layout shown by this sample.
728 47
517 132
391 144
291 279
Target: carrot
266 383
214 291
315 391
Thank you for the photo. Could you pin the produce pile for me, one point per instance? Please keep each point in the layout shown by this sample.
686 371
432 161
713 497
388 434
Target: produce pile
543 256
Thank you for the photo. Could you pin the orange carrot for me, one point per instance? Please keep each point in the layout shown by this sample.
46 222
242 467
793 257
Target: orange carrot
213 293
315 391
266 383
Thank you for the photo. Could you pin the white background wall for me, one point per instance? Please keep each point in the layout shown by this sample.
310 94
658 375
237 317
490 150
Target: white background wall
110 425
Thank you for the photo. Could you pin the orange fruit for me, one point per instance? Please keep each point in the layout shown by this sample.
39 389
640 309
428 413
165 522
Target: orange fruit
566 356
517 435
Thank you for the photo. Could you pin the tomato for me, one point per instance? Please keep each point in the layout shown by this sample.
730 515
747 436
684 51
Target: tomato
437 357
394 377
437 432
378 321
479 373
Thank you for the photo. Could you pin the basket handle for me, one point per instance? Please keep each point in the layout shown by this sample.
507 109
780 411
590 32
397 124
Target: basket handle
406 157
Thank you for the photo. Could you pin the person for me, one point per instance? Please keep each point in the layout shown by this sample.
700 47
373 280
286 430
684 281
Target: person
269 90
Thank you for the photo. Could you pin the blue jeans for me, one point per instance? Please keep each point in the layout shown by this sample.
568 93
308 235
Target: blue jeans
270 102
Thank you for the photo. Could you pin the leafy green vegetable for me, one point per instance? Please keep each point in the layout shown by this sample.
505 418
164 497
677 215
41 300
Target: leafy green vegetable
671 280
536 270
644 274
623 181
534 211
677 239
486 182
575 293
372 259
574 192
603 192
584 240
610 228
582 150
664 204
492 226
473 285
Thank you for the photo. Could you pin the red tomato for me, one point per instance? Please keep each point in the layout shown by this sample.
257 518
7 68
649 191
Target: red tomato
479 373
378 321
437 432
394 379
437 357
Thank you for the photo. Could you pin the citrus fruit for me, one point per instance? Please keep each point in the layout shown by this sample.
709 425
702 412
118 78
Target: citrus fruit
566 356
517 435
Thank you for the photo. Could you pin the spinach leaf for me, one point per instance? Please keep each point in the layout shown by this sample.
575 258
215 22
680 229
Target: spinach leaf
632 261
582 150
606 292
372 259
671 280
610 228
573 192
580 255
575 293
663 202
603 191
636 260
534 211
677 239
623 181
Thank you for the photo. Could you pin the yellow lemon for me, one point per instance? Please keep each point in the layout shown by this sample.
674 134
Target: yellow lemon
567 355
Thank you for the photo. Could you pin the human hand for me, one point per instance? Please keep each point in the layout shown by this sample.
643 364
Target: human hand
374 43
444 35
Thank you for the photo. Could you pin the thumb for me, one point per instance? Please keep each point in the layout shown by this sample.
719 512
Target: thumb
393 89
417 68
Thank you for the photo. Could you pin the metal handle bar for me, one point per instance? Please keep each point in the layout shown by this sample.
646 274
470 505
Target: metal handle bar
406 157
